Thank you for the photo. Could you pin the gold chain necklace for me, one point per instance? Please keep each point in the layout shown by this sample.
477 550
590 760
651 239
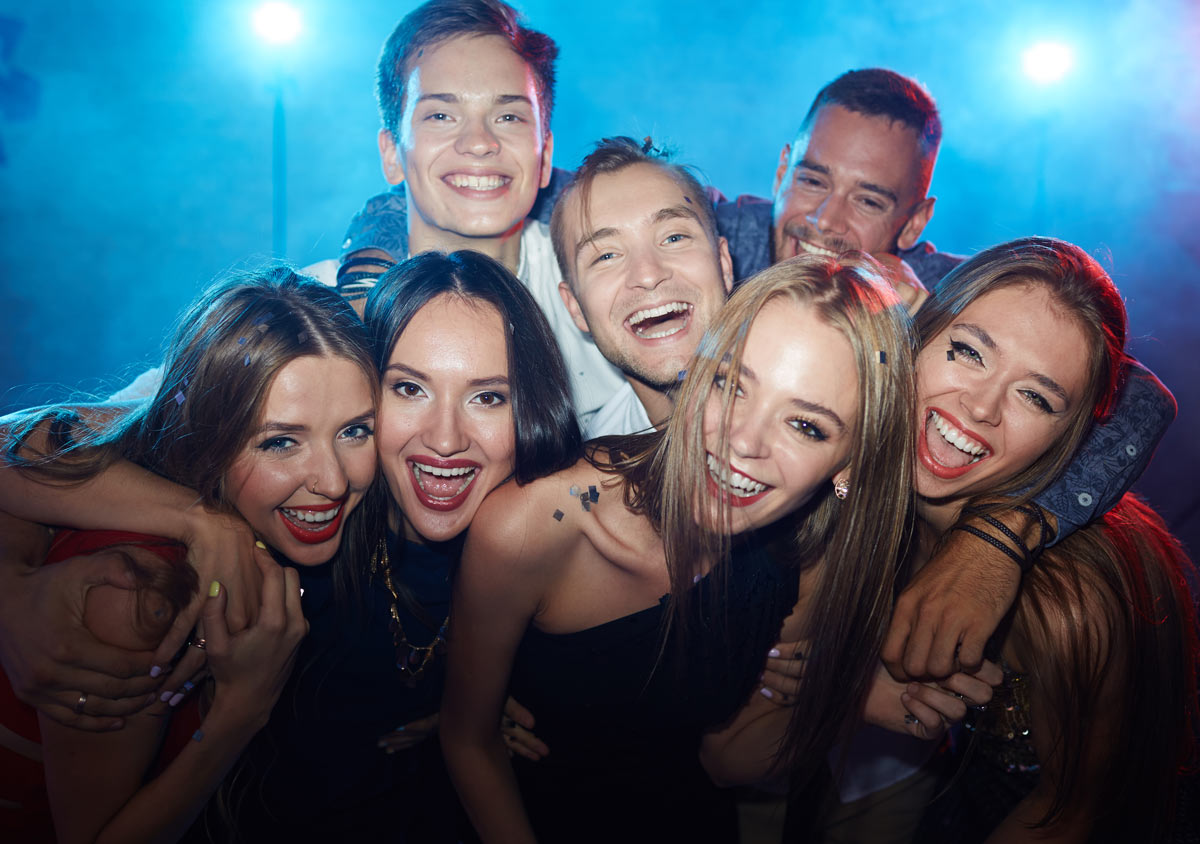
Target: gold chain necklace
411 659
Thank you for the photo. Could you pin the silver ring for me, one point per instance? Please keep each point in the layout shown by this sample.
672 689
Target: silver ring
198 642
909 718
79 704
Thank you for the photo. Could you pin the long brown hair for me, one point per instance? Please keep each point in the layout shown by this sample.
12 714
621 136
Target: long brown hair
1107 613
860 539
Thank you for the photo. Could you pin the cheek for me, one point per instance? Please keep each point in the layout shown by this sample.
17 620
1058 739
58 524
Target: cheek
499 443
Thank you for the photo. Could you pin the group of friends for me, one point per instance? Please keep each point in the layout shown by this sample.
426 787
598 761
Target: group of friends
564 502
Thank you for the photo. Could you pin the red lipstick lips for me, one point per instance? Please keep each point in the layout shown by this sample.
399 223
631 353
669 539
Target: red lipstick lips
931 463
440 484
314 535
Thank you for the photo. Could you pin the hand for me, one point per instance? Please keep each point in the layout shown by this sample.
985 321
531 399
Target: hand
901 276
409 735
926 710
51 657
943 619
251 667
780 682
516 726
221 547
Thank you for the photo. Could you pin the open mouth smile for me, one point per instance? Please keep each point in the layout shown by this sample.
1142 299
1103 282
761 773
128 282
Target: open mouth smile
665 320
442 484
315 524
473 184
946 449
736 488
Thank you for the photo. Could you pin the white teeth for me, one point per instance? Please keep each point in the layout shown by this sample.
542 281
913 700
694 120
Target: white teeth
812 249
462 180
956 437
312 516
733 480
443 473
660 310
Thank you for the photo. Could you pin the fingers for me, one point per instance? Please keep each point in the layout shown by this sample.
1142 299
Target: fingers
103 568
293 607
518 713
896 641
177 635
521 742
409 735
271 607
81 721
970 648
927 721
779 688
971 690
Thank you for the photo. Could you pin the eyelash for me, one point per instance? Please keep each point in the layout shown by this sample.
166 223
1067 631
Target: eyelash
498 399
809 429
366 432
277 444
400 386
1032 396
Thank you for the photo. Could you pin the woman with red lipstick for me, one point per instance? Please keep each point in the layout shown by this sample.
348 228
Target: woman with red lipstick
1099 707
628 600
265 411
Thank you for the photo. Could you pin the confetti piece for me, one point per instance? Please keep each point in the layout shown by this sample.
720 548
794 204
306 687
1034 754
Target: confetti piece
241 341
302 336
558 515
246 362
574 491
882 356
585 502
681 375
179 397
950 355
593 494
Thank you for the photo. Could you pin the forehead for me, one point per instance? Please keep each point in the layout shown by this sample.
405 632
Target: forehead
864 147
627 200
454 333
790 345
470 66
312 375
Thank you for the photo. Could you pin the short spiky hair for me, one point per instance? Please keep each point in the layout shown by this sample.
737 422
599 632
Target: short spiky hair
878 92
437 21
613 155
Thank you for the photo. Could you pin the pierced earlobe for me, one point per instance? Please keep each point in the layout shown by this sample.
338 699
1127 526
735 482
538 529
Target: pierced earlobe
841 488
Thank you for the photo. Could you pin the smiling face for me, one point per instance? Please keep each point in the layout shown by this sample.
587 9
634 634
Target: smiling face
856 183
646 277
996 389
471 148
445 434
793 414
311 459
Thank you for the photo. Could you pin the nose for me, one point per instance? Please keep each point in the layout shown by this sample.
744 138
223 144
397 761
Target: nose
328 475
446 433
647 269
830 216
747 432
983 399
477 139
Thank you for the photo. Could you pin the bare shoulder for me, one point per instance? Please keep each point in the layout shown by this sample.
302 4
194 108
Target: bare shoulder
531 525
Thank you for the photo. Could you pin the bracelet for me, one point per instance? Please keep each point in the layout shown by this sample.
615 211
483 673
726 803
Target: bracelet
1021 562
1035 510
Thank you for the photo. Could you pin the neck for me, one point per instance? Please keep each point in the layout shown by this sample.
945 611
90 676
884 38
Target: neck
506 248
657 403
939 514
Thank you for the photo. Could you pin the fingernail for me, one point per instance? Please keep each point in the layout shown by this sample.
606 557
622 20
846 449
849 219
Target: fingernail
773 653
214 589
155 670
767 693
175 700
258 543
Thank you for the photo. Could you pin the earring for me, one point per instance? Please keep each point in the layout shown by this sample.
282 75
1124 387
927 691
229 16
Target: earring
841 488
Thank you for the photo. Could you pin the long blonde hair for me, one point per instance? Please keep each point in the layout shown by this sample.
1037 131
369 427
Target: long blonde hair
860 539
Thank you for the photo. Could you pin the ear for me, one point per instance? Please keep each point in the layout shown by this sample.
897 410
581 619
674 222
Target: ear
785 158
911 233
547 160
572 305
841 479
726 264
389 157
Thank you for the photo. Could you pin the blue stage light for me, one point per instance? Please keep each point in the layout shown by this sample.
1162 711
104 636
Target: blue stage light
1048 61
277 23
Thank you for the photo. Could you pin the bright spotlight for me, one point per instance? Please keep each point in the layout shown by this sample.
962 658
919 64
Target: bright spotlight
277 23
1047 62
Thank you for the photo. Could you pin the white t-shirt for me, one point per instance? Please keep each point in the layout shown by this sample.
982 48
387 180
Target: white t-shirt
622 414
593 379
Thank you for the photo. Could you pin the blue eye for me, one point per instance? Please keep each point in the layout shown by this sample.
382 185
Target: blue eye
277 444
676 238
359 431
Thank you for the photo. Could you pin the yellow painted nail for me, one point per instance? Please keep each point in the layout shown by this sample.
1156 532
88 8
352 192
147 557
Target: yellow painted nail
258 543
214 589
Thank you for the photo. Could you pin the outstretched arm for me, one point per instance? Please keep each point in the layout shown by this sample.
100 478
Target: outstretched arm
496 593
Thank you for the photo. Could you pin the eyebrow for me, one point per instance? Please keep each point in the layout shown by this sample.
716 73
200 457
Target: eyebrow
293 428
868 186
486 381
1045 380
500 99
671 212
803 404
